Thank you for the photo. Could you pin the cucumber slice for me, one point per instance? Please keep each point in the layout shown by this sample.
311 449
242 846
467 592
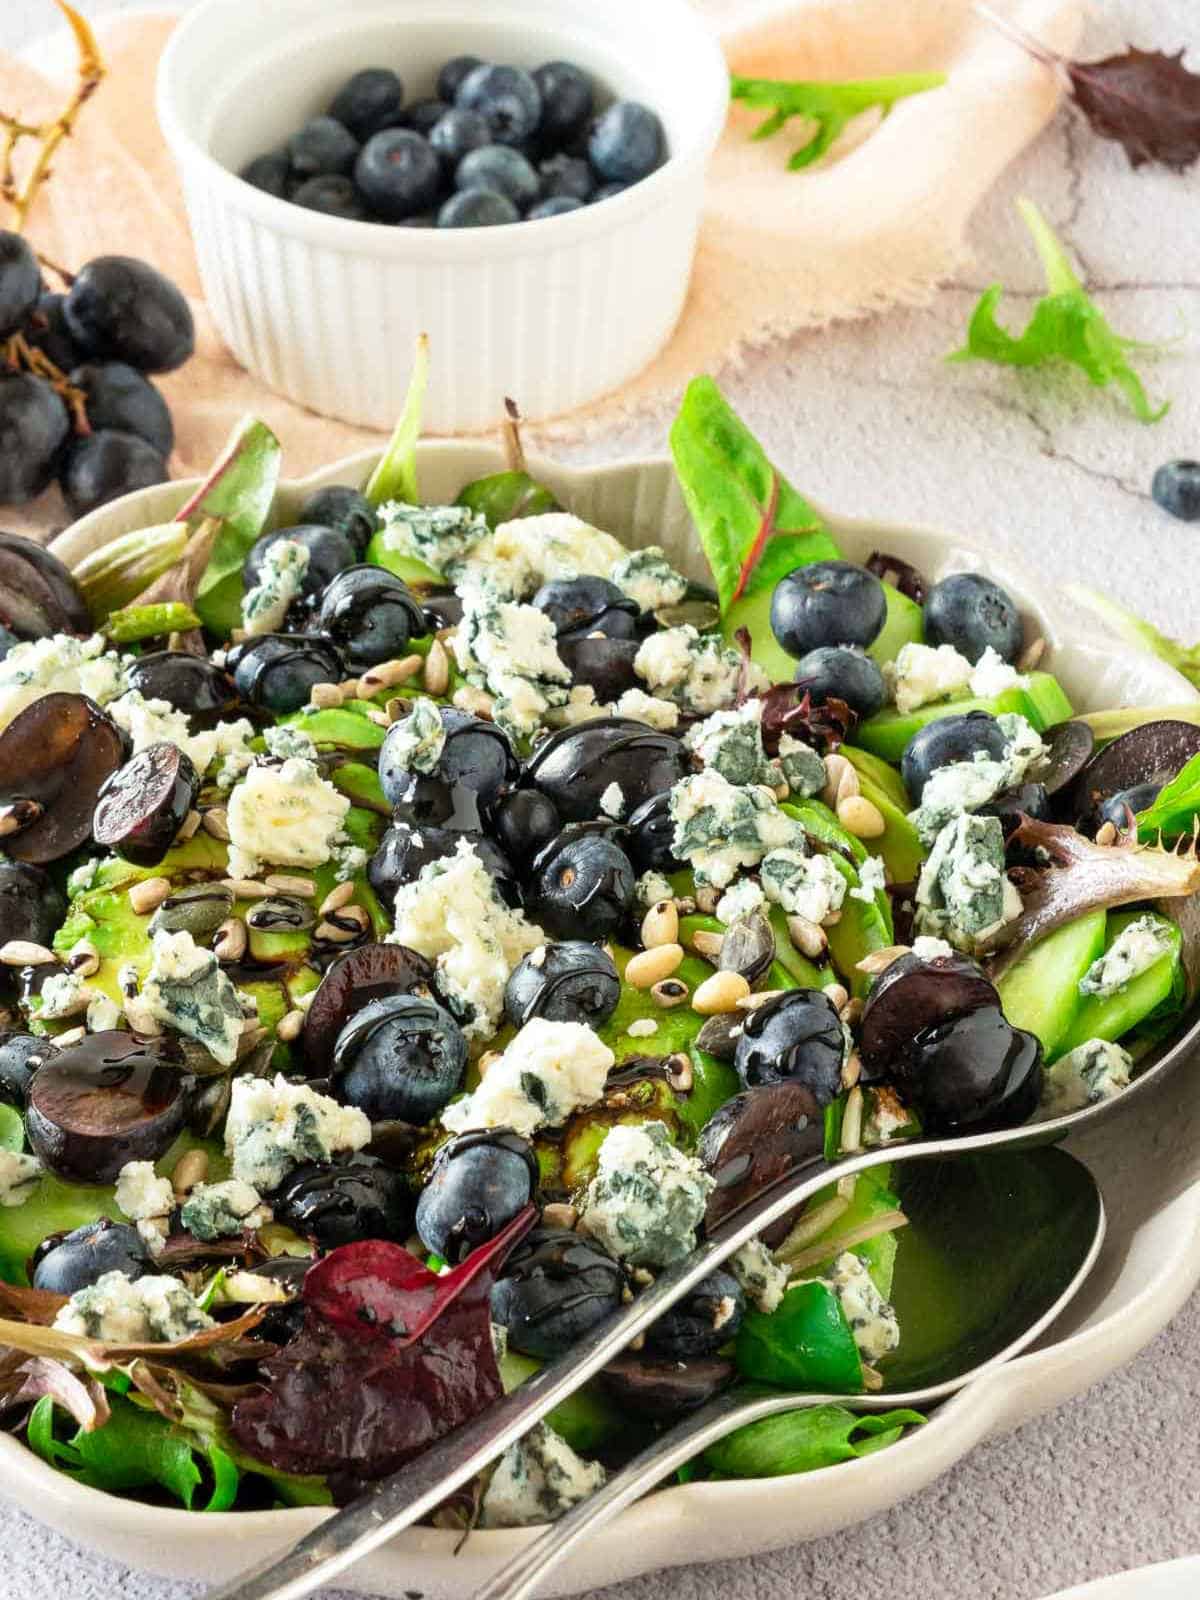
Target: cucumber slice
754 614
880 774
586 1420
1040 992
802 972
406 567
899 845
1042 703
861 928
1112 1016
904 624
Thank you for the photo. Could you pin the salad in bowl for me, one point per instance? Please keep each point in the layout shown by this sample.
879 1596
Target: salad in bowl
423 914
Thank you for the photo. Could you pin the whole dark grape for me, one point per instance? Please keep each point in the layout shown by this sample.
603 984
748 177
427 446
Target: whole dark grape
121 309
20 281
45 329
33 429
105 465
119 397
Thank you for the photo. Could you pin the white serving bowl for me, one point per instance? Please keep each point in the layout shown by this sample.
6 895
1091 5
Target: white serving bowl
1147 1161
327 310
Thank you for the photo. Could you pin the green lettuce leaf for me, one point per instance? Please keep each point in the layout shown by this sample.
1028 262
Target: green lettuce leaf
1127 625
831 106
239 493
395 478
1066 325
802 1441
132 624
1177 809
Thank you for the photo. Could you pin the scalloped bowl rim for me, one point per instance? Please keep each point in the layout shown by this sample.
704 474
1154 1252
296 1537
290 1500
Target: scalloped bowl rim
697 1522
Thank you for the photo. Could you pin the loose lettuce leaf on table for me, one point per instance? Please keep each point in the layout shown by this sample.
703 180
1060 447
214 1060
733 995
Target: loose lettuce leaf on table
831 106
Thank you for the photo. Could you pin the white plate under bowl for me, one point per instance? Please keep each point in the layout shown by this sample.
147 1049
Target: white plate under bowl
1147 1161
1167 1580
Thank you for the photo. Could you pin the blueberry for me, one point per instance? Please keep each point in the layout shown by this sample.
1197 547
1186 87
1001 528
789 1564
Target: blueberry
569 982
507 96
567 101
649 831
569 176
117 396
1118 807
944 741
20 281
398 174
972 613
477 208
700 1323
558 205
105 465
605 665
607 191
798 1039
323 146
555 1287
278 671
1029 799
187 682
581 885
122 309
524 822
370 615
370 100
452 74
333 195
329 552
339 1202
479 1182
79 1258
827 602
456 133
426 800
843 672
1176 488
345 510
583 605
21 1054
496 167
34 426
400 1059
271 173
404 850
477 754
443 609
422 116
626 142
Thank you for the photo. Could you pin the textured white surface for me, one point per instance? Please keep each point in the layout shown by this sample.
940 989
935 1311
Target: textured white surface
1056 478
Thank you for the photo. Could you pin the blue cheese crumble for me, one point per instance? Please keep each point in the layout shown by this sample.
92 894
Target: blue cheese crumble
760 1275
872 1319
924 673
697 671
185 989
547 1071
149 722
647 1198
649 578
453 914
280 582
651 888
19 1177
1134 951
274 1126
802 768
643 707
440 536
872 880
537 1480
60 664
966 785
510 650
744 897
719 829
963 892
286 814
223 1210
416 742
118 1310
730 742
803 885
1092 1072
141 1195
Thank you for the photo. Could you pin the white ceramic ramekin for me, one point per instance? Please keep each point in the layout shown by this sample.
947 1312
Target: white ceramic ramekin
327 311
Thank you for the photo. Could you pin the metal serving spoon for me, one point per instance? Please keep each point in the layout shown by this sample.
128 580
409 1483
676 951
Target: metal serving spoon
965 1217
397 1501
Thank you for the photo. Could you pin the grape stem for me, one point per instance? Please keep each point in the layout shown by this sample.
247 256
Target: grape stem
19 354
21 194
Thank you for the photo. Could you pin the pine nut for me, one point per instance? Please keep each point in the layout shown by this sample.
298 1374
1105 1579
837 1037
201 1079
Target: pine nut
252 1037
837 994
230 943
379 718
851 1070
479 704
290 1026
720 993
24 953
852 1012
349 688
852 1121
436 677
1031 655
841 781
325 696
660 925
808 937
879 960
397 709
84 958
764 997
669 992
344 925
861 817
706 899
560 1215
708 944
188 830
64 1041
1107 833
336 899
190 1169
389 673
148 895
302 1002
649 967
137 1015
215 823
282 883
245 888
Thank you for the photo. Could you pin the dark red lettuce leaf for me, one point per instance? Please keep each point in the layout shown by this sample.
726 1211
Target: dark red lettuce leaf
390 1358
789 708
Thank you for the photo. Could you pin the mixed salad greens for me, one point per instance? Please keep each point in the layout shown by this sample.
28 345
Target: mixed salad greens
422 921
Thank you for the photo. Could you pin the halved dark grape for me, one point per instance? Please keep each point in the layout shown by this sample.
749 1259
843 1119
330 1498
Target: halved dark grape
912 994
192 684
756 1138
1069 747
973 1072
576 765
658 1391
110 1099
371 972
1154 753
145 803
31 904
38 595
59 752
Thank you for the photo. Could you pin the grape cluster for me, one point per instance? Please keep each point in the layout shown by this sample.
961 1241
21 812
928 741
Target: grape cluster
495 144
75 402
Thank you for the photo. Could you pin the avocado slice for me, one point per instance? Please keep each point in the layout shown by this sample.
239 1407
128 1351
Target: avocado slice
1040 992
585 1419
882 777
887 734
1113 1016
861 928
904 624
407 567
899 846
754 614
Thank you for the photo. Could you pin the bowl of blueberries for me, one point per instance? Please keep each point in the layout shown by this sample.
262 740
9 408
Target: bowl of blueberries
521 180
